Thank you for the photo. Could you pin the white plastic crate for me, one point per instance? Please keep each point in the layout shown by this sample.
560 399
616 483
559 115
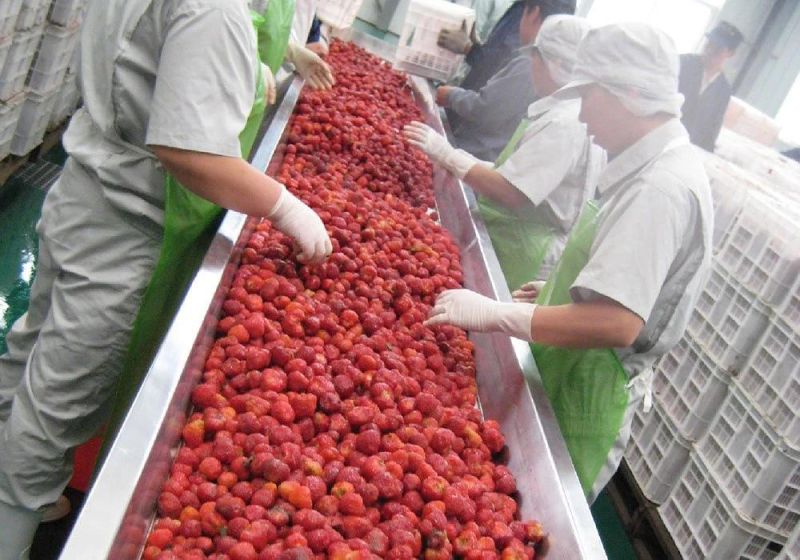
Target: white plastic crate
417 51
705 525
762 249
656 454
33 122
689 387
69 97
792 549
55 53
771 379
32 14
5 48
729 188
9 11
18 62
338 14
759 474
730 330
66 12
789 310
9 115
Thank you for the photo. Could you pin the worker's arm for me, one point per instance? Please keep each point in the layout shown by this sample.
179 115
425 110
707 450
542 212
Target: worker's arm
232 183
226 181
601 323
596 324
488 182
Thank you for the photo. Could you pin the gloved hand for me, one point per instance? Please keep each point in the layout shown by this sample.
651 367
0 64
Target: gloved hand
473 312
436 146
302 224
528 292
310 66
270 87
457 40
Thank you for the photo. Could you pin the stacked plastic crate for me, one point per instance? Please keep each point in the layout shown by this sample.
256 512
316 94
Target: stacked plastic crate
720 452
13 49
418 51
59 32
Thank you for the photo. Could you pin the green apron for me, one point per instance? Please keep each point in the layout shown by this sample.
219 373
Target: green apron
188 230
521 239
273 29
587 388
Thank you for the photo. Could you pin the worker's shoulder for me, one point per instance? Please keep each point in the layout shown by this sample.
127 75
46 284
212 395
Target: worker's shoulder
195 7
678 174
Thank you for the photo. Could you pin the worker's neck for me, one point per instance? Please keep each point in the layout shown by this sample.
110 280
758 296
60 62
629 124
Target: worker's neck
636 129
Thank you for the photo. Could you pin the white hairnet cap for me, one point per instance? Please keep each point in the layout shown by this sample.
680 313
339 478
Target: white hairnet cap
634 61
557 41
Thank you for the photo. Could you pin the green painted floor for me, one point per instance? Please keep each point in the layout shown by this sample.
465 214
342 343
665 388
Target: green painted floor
612 532
20 207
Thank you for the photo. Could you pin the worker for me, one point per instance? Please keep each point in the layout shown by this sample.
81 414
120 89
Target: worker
484 58
623 291
532 195
282 28
487 14
483 121
171 94
704 86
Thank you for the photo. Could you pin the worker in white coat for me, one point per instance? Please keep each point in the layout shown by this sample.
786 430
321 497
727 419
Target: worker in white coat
634 265
171 95
533 193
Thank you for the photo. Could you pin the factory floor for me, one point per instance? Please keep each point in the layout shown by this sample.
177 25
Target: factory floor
21 201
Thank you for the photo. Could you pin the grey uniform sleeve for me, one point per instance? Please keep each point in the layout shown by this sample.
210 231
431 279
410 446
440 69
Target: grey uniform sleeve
491 104
542 161
206 80
635 246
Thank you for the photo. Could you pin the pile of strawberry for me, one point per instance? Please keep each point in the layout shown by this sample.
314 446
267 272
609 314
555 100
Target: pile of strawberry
330 423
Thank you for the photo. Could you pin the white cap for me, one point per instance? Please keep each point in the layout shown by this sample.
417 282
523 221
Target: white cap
634 61
558 41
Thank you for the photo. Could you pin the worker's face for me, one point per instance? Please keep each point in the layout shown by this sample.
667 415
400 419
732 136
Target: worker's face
604 117
543 84
716 55
529 26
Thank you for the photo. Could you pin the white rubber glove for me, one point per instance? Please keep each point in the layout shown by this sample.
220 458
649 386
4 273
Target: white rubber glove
302 224
473 312
270 87
436 146
310 66
528 292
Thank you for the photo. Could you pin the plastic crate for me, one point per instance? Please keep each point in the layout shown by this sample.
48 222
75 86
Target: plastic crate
9 115
729 188
54 56
32 14
792 549
5 48
66 12
9 11
689 387
33 121
757 471
762 249
771 379
18 62
339 14
69 96
789 311
731 329
656 454
705 525
417 51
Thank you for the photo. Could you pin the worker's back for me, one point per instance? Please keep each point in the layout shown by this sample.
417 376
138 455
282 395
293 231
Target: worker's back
130 102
